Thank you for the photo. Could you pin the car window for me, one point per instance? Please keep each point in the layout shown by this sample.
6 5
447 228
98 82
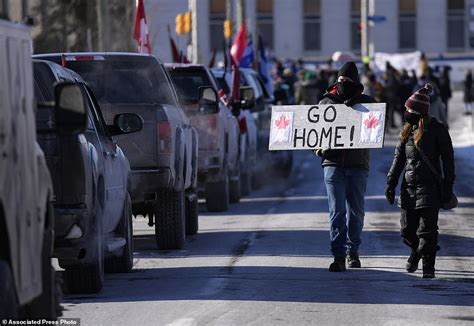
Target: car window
250 81
125 81
188 81
99 121
44 82
262 85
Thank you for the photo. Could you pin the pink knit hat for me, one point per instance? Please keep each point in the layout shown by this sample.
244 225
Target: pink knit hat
420 100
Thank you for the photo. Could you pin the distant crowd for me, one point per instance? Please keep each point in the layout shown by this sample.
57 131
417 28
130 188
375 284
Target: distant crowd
294 83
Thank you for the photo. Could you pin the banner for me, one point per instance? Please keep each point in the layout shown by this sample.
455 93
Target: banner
334 126
409 61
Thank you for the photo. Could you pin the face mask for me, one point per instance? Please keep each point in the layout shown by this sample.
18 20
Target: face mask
412 118
347 89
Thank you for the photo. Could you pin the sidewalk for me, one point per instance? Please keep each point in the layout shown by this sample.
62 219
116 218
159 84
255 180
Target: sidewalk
461 130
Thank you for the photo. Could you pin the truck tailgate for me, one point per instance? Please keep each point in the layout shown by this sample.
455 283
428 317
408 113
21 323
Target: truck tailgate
140 147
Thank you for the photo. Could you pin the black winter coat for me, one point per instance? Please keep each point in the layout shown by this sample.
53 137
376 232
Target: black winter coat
420 188
346 157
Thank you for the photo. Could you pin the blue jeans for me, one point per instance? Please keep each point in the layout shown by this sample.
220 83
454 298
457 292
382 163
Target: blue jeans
346 190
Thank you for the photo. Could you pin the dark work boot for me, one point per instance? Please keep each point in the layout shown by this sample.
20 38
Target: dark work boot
429 265
353 259
413 260
339 265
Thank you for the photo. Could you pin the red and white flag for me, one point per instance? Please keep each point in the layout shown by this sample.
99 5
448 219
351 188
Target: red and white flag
240 43
140 31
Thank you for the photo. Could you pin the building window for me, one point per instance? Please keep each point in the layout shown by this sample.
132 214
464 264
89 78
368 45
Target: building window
355 26
407 25
312 25
4 9
217 16
456 24
265 21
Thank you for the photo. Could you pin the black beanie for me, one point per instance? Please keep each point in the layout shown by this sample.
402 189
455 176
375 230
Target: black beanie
349 69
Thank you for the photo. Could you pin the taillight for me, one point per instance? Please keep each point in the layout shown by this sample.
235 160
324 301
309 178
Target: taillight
243 125
164 137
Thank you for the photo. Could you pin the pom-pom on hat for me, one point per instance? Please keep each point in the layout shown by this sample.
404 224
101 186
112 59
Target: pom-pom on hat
420 100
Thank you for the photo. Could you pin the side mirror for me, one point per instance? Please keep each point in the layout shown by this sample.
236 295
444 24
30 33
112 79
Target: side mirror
126 123
70 108
208 100
247 97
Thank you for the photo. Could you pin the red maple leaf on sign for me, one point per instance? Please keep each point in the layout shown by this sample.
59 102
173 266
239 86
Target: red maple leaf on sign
371 122
282 122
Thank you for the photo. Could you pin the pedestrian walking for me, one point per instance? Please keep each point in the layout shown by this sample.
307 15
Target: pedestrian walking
423 143
468 96
445 88
391 95
345 176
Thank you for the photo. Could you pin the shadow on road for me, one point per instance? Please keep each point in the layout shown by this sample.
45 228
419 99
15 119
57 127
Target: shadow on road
297 243
284 284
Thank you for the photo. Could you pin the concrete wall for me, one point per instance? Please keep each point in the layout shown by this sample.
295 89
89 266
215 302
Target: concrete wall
385 34
160 14
335 26
288 27
431 16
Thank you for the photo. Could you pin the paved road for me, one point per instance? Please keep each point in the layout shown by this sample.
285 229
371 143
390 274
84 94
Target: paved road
265 262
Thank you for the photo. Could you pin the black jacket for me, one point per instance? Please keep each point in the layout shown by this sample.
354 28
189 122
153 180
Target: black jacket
420 188
346 157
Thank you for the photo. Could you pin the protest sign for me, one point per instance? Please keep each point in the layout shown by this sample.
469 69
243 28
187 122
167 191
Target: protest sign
334 126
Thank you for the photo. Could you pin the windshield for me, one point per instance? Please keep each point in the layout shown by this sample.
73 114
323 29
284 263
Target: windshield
126 81
187 82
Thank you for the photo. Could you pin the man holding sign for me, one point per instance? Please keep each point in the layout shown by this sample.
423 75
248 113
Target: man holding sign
346 172
341 129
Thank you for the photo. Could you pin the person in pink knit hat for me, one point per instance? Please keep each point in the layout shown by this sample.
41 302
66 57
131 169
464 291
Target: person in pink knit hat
422 139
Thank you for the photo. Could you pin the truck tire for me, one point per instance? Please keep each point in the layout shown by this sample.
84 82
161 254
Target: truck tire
8 300
234 190
170 220
124 262
192 216
88 278
257 181
47 305
245 183
217 196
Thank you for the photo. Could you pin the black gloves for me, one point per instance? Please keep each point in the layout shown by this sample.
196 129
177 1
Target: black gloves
322 152
447 192
390 194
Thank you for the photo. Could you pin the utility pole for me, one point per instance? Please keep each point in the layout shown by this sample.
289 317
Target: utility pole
371 10
240 13
193 50
364 13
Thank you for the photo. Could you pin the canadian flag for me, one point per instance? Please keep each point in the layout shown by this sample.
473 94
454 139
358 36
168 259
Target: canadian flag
140 31
240 43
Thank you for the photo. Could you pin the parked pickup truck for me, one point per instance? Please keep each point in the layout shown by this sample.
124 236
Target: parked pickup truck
91 181
280 161
163 156
218 167
27 279
248 130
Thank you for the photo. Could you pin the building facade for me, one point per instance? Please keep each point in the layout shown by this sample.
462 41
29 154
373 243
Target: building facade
315 29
